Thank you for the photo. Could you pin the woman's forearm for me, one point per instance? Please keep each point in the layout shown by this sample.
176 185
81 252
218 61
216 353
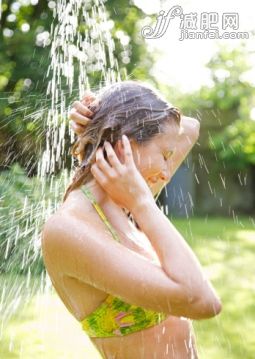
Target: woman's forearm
189 134
176 257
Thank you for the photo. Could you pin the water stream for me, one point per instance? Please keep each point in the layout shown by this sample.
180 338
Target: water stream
81 44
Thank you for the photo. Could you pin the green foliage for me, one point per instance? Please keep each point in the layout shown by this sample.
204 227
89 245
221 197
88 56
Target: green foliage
126 17
230 98
236 144
229 89
24 205
24 61
23 65
229 85
232 92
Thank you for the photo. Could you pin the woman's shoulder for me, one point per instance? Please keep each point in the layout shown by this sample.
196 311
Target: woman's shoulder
76 205
72 208
54 231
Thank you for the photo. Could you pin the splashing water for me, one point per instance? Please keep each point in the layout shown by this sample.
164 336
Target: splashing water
81 43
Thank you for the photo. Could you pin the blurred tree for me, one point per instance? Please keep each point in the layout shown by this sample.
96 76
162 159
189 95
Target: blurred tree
22 218
22 69
236 144
233 92
226 107
226 110
24 60
234 95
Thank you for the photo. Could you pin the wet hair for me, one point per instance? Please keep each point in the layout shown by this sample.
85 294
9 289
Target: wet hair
128 107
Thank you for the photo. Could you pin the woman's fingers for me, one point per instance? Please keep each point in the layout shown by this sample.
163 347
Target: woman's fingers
107 170
78 118
83 110
79 114
98 174
112 157
128 154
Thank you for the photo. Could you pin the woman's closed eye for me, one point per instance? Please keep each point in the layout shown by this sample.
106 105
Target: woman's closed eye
169 154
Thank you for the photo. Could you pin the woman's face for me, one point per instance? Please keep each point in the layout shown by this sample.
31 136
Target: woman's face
153 159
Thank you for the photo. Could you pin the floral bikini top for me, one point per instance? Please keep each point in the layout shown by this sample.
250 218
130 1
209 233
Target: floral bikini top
114 317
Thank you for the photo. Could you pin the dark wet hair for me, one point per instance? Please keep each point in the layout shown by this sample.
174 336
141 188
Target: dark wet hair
128 107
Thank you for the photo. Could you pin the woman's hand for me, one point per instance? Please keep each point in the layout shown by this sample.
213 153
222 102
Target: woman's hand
80 114
123 182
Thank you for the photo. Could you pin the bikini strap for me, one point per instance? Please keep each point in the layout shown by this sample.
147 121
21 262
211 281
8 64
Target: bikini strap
92 199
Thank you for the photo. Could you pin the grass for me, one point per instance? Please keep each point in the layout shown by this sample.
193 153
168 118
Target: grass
45 329
226 251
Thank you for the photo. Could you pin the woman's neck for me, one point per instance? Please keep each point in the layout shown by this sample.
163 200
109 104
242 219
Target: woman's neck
98 192
101 196
103 199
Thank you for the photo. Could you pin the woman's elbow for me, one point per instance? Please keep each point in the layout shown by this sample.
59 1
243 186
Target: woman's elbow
205 309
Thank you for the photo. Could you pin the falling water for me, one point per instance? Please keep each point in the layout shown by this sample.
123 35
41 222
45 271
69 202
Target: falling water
81 44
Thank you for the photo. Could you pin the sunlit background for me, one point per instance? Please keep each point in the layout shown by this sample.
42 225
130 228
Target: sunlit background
50 52
182 63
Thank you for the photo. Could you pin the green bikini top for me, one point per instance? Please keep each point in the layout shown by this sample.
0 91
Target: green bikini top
114 317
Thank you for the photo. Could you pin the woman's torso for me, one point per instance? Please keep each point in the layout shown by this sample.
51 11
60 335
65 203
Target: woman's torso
82 299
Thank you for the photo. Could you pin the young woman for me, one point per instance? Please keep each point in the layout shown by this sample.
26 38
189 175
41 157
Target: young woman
135 285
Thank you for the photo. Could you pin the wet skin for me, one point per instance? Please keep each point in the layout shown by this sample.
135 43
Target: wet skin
174 337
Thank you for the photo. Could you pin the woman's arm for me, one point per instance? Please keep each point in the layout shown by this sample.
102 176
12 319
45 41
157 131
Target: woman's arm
188 137
85 250
176 257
